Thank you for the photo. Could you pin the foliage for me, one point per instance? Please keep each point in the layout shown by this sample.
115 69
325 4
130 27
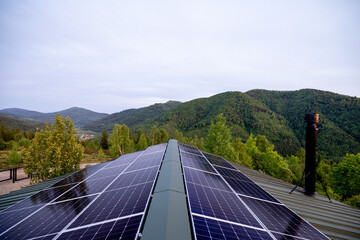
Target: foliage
24 142
121 141
142 143
2 144
354 201
93 144
101 154
218 140
240 149
54 151
104 140
345 177
14 157
265 159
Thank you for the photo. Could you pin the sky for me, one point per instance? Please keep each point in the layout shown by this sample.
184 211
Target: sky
108 56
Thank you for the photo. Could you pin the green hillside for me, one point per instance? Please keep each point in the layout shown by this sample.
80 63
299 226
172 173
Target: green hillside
11 123
339 116
133 118
279 115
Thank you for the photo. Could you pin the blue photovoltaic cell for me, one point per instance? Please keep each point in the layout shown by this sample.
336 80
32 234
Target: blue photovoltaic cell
115 204
124 159
233 174
40 198
196 161
156 148
280 219
145 161
206 228
219 204
50 219
87 187
8 219
120 229
205 179
135 177
106 172
216 160
250 189
189 149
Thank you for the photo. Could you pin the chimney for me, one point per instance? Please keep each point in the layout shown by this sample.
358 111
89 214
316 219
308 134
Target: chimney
310 152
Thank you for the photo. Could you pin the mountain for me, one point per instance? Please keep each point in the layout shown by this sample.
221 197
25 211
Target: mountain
279 115
339 127
11 123
80 116
131 117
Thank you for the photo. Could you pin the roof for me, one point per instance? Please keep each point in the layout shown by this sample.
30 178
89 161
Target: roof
171 191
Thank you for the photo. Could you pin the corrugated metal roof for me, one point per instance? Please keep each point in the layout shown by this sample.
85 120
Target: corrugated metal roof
335 219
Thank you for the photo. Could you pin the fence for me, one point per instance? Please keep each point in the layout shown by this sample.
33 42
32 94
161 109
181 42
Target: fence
13 174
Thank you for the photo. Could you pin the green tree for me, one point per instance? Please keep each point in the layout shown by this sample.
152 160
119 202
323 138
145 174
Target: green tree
218 139
54 151
14 157
345 177
104 140
142 143
154 135
101 155
163 136
121 141
240 149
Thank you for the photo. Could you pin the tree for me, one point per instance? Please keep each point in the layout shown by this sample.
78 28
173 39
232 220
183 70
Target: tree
142 143
240 149
154 135
218 139
54 151
101 155
104 140
121 141
345 177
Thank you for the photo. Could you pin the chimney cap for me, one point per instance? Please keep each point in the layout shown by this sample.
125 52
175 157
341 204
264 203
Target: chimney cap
312 118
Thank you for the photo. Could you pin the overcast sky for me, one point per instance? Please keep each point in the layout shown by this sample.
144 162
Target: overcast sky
108 56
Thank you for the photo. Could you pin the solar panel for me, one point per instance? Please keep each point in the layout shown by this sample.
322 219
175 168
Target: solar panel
205 178
207 228
218 213
189 149
196 161
108 198
118 229
217 160
280 219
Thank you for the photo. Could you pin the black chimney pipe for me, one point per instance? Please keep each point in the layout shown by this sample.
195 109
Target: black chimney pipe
310 152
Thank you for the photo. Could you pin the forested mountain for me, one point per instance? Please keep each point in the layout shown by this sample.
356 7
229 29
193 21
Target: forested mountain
132 117
11 123
80 116
339 128
279 115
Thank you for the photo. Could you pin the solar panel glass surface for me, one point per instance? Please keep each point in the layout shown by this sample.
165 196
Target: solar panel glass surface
206 228
216 160
196 161
279 218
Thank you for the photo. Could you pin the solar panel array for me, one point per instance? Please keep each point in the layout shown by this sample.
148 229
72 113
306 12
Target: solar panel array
225 204
110 201
107 200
